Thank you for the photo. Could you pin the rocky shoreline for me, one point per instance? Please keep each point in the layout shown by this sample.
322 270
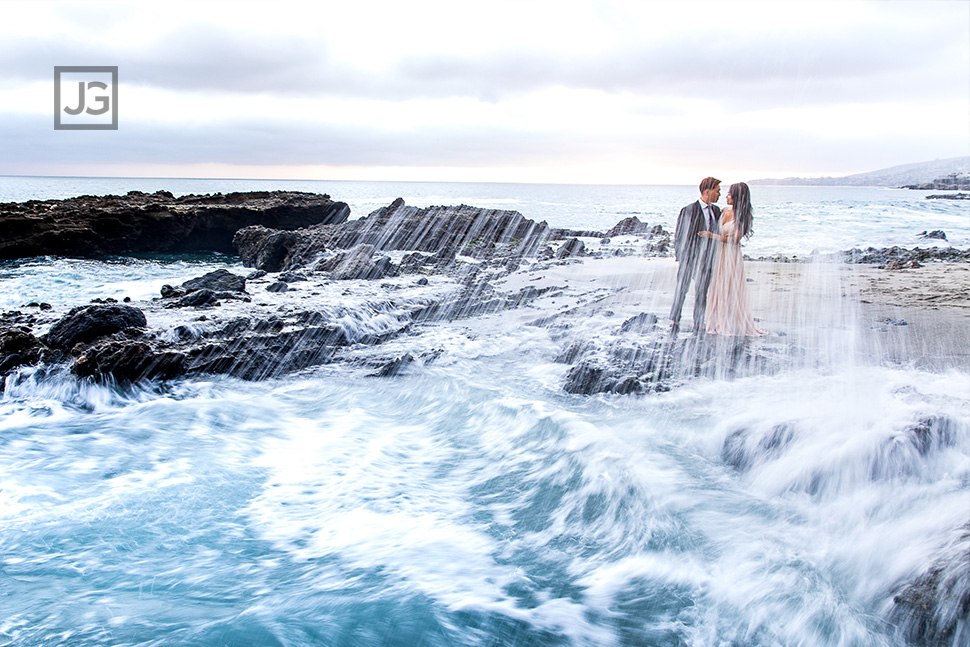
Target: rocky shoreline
421 265
322 289
90 226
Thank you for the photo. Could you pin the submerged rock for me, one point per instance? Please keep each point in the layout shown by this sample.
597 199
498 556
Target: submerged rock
158 222
933 609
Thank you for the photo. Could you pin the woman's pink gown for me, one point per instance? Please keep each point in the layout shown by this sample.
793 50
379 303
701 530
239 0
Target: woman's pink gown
728 311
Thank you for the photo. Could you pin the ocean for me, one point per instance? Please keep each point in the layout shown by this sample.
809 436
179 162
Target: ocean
472 501
787 219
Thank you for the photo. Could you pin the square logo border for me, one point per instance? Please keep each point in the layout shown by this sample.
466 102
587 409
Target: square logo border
85 69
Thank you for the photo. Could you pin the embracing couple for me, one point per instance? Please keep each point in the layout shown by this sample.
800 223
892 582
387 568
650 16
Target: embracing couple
707 246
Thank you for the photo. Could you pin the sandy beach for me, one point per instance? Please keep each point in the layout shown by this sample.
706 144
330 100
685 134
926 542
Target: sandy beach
919 316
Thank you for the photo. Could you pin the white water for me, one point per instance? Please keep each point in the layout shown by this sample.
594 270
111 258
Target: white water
471 501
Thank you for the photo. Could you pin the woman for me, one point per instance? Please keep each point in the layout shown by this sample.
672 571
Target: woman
728 312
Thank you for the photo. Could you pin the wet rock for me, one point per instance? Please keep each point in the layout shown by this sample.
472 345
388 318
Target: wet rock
586 378
660 360
903 256
262 356
745 447
139 222
643 322
937 234
216 281
87 323
18 347
278 286
933 608
394 367
128 361
196 299
171 292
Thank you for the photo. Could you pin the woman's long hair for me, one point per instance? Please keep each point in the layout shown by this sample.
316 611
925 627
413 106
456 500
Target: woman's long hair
741 201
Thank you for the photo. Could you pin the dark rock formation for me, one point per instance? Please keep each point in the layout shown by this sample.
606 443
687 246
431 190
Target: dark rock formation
937 234
642 323
18 347
128 361
572 247
949 196
952 182
87 323
158 222
357 263
206 290
903 256
630 226
217 281
480 233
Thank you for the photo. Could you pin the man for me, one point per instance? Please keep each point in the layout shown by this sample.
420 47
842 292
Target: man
694 254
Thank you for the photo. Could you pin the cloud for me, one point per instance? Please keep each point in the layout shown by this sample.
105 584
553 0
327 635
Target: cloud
760 55
398 84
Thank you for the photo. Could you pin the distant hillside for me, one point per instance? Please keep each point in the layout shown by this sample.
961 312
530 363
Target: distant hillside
895 176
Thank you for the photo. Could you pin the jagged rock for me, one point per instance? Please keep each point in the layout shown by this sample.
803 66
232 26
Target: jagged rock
937 234
643 322
170 292
278 286
87 323
443 230
128 361
572 247
903 256
216 281
394 367
262 356
629 227
267 249
18 347
159 222
196 299
357 263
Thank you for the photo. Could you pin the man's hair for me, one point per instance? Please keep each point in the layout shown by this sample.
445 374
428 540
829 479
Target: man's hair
709 183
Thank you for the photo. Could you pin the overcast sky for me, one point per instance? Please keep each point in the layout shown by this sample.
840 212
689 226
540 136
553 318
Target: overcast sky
583 92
